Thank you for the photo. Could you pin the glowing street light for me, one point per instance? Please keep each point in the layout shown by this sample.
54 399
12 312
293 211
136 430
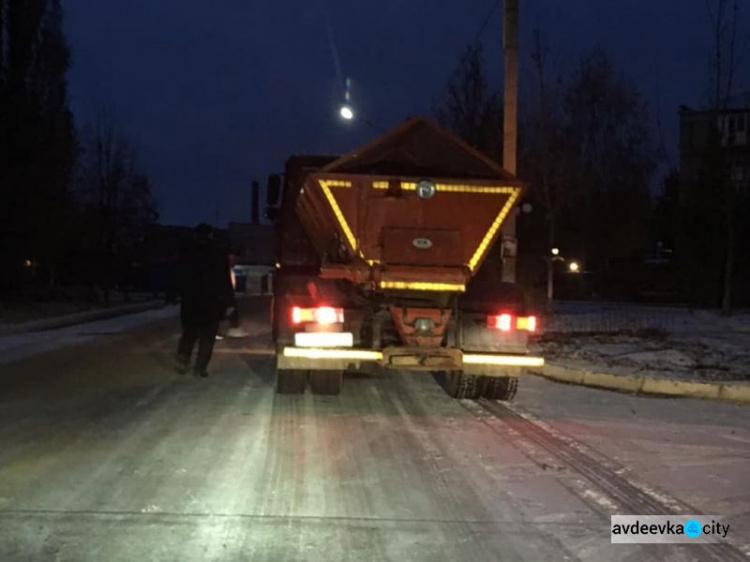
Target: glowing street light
574 267
555 251
346 112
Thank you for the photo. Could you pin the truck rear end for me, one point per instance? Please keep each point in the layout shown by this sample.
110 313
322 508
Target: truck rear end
379 252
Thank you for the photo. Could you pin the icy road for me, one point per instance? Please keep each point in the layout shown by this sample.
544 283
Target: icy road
106 454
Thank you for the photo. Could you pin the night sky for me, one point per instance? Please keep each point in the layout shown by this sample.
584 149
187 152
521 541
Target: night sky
217 94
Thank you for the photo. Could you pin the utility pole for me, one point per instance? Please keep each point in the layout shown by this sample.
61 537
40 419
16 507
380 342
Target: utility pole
255 203
510 130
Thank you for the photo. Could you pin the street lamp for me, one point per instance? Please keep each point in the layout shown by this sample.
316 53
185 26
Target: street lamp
573 267
555 256
346 112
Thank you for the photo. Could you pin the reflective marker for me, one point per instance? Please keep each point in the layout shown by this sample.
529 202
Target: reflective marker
506 360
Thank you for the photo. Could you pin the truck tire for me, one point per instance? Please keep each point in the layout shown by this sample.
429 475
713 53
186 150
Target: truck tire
291 381
460 385
327 383
499 388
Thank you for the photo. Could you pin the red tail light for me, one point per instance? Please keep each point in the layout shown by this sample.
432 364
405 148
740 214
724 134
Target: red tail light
508 322
321 315
502 322
328 315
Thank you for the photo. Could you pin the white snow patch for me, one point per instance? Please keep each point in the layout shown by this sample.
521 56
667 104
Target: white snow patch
670 357
600 499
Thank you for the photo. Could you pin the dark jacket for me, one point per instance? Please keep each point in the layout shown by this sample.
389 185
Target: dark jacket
204 282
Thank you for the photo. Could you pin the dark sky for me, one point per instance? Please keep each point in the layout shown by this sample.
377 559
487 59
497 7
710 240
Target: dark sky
217 94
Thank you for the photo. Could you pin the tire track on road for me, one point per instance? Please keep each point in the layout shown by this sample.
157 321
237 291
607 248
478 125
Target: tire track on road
449 485
601 472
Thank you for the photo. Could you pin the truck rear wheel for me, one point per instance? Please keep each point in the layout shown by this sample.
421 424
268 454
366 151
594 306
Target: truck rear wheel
291 381
499 388
328 383
460 385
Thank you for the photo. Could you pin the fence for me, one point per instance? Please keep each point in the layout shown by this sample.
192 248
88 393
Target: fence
573 317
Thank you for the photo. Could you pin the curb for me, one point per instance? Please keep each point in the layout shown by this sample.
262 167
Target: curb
642 384
79 318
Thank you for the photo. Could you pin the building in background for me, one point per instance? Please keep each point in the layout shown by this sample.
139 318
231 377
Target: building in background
713 202
252 248
733 126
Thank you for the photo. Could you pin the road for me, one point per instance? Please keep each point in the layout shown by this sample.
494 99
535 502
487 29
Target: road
106 454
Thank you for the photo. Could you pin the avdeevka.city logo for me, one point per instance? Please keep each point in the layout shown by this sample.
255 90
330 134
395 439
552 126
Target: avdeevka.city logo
693 528
668 529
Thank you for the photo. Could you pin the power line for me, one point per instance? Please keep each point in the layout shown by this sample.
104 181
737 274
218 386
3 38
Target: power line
486 21
481 29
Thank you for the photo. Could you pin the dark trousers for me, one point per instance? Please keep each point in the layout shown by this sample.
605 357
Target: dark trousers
202 332
234 318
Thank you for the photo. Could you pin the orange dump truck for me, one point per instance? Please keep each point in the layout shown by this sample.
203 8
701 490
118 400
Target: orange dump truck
378 252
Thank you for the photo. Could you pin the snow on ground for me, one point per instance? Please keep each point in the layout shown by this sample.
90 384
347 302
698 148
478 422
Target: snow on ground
21 346
660 341
578 316
16 347
78 300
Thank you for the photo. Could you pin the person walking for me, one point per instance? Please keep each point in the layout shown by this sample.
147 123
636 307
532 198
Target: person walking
205 288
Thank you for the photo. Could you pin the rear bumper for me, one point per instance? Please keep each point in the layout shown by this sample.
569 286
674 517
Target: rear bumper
407 358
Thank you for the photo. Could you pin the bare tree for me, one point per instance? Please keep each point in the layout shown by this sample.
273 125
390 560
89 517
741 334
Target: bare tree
607 126
114 193
543 153
727 52
471 109
37 138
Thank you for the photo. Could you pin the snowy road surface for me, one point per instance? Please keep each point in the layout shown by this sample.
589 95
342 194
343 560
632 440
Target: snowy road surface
105 454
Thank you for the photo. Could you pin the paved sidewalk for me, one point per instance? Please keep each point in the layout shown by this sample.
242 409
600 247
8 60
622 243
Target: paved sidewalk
16 347
79 317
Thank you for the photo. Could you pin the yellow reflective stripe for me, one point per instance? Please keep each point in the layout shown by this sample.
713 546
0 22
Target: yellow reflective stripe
450 188
319 353
325 185
422 286
494 228
513 193
507 360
